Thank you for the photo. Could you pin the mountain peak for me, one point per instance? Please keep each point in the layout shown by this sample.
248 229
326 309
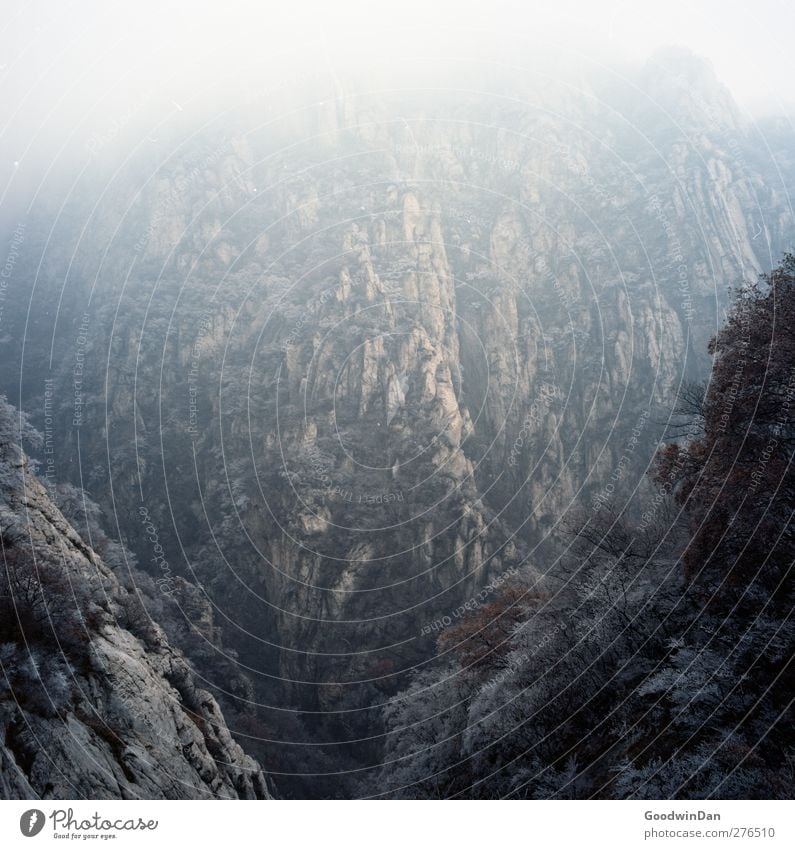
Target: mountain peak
685 85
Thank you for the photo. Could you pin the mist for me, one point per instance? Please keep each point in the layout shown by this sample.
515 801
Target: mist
84 79
397 400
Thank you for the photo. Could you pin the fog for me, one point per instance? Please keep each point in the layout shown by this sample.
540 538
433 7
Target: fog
370 349
85 80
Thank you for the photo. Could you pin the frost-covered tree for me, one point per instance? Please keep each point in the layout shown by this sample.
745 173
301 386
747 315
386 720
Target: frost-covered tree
657 662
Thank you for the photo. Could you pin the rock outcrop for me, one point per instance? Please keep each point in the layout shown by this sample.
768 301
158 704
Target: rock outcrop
87 708
360 363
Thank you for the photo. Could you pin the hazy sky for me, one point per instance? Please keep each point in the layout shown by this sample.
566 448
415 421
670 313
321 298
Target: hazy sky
93 44
79 72
749 43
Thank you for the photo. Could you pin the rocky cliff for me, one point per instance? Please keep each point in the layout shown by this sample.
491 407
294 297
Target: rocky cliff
87 708
358 352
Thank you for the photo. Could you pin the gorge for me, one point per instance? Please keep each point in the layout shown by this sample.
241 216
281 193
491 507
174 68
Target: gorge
341 366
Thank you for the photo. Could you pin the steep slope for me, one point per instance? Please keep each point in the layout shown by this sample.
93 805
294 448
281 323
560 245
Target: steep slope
87 709
662 665
358 350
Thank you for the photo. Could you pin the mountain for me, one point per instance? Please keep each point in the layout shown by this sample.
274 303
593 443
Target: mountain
87 708
657 663
358 350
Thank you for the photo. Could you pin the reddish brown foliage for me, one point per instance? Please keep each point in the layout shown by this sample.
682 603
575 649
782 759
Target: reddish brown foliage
484 634
737 481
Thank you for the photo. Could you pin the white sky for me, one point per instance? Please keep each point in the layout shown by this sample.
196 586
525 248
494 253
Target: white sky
77 70
749 43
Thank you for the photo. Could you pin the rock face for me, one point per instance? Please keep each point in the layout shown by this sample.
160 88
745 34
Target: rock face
92 712
359 364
